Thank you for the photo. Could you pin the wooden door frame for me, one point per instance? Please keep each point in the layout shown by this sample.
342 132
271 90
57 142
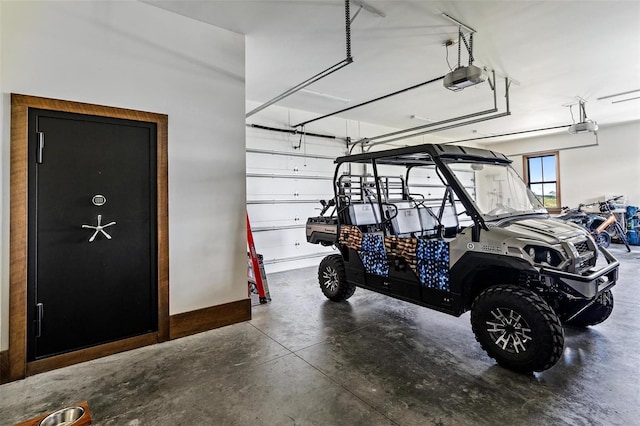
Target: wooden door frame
18 365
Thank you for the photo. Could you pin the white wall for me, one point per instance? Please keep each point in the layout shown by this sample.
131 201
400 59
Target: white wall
278 245
133 55
588 172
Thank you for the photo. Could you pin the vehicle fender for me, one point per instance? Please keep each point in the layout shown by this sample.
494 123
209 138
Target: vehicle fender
474 272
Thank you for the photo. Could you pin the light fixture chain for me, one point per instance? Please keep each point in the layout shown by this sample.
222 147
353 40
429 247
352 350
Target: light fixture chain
347 12
459 45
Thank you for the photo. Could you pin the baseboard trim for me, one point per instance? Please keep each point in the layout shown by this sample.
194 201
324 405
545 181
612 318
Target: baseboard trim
82 355
180 325
192 322
4 367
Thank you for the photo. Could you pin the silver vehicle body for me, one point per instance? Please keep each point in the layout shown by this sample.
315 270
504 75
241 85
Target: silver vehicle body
472 210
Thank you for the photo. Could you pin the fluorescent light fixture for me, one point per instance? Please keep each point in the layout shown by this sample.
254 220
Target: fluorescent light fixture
417 117
476 132
458 23
325 95
366 6
619 94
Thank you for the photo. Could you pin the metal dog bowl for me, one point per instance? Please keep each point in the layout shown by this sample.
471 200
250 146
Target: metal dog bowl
65 417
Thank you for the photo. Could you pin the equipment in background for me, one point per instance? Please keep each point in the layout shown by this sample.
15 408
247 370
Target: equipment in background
608 223
603 225
633 225
578 216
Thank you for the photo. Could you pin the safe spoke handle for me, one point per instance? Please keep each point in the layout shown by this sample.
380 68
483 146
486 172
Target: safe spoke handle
99 229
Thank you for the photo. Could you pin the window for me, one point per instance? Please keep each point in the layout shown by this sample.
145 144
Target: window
543 179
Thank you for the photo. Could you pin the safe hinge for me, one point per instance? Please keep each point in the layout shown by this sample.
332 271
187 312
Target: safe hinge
39 316
40 149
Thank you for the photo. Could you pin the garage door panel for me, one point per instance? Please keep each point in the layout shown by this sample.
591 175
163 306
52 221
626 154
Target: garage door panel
283 191
287 189
284 244
436 193
287 165
268 215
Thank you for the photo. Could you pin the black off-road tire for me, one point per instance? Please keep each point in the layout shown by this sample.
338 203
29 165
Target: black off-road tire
596 313
603 239
333 279
517 328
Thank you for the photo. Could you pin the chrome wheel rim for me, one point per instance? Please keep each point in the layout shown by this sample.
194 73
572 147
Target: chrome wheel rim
509 331
330 277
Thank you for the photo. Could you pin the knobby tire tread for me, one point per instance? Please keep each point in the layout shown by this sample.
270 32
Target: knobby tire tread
550 317
345 289
595 314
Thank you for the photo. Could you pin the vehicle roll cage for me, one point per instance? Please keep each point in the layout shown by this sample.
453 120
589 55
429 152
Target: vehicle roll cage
424 155
437 155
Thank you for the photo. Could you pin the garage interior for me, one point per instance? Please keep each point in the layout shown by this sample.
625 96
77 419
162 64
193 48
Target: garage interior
260 98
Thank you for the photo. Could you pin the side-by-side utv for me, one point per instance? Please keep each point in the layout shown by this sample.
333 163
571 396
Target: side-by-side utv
456 229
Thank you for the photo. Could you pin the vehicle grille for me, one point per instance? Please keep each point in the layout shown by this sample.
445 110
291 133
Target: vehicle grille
586 256
582 247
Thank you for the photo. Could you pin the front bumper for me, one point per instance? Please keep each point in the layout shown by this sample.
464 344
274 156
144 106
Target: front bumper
592 282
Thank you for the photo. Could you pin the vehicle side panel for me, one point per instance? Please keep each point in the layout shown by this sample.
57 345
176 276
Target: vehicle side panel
413 269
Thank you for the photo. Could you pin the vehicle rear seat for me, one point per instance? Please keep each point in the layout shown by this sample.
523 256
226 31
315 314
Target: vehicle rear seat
429 220
409 220
414 220
450 221
365 214
406 221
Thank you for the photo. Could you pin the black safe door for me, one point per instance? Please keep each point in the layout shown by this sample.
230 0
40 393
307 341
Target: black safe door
92 231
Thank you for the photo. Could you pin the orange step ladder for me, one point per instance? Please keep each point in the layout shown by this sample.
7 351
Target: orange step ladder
259 276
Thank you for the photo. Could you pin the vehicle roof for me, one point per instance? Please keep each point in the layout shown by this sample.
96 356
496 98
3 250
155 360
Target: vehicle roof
422 155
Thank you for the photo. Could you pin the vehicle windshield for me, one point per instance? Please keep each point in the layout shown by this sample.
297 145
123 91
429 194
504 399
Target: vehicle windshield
496 189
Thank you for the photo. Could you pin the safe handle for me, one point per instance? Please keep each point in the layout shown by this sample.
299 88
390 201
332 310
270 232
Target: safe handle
40 151
99 228
39 316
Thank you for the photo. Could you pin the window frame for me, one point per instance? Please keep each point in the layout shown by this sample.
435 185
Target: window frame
525 165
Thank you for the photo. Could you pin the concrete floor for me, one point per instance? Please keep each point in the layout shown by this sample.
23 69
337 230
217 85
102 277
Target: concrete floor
303 360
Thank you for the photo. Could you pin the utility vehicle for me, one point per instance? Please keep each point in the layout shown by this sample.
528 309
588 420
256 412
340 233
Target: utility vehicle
455 229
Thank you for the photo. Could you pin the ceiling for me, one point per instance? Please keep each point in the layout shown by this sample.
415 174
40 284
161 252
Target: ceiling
552 52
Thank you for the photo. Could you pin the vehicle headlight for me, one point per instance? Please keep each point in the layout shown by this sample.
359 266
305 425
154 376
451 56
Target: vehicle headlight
544 255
